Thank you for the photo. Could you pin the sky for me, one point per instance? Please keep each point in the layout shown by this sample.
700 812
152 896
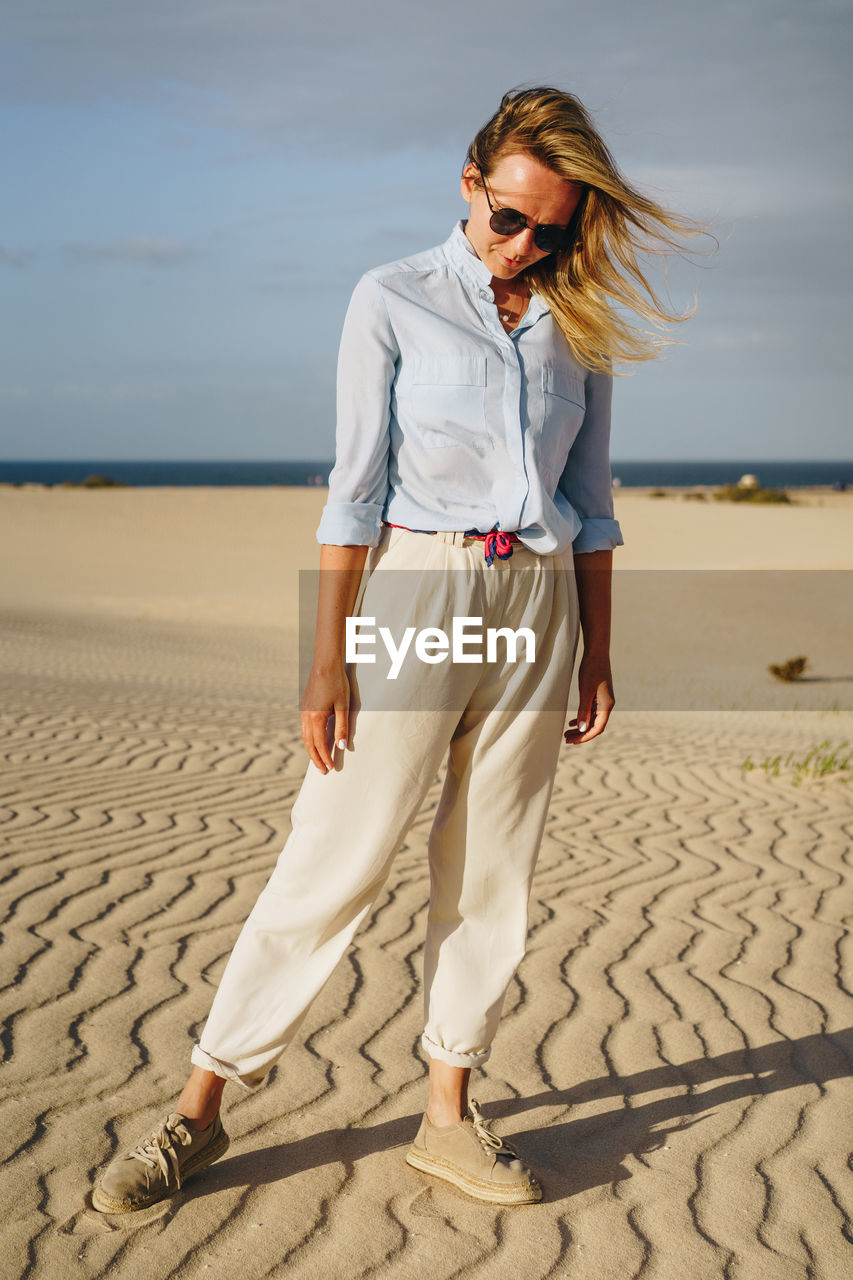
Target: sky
193 187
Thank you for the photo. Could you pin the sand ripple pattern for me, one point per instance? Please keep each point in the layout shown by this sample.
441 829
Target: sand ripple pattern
677 1047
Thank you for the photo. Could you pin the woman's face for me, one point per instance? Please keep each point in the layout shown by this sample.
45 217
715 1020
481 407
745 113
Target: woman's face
516 182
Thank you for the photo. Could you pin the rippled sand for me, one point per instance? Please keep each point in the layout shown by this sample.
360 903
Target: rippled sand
677 1047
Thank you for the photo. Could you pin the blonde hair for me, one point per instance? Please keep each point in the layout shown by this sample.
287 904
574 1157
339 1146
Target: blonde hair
613 223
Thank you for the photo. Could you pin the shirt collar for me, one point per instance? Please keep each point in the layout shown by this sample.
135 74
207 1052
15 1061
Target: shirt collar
462 257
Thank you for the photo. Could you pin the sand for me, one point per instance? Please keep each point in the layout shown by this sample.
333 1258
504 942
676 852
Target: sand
676 1050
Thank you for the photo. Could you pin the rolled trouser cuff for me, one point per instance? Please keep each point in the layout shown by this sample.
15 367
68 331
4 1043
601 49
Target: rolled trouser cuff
250 1082
474 1059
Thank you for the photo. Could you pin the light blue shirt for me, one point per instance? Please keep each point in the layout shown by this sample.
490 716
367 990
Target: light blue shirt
445 421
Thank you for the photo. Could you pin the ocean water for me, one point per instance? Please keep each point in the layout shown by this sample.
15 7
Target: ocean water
158 474
782 475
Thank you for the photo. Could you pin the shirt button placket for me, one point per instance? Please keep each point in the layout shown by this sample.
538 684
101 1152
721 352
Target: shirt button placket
509 503
514 434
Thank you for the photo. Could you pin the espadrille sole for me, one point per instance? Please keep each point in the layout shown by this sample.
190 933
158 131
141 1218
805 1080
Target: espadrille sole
494 1192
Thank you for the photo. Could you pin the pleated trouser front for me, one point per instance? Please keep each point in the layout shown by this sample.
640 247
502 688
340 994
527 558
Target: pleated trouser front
498 725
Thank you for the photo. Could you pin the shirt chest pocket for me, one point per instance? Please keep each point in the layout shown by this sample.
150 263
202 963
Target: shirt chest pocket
563 385
555 428
563 409
447 396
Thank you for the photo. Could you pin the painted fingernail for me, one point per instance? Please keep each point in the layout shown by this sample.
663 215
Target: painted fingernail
342 744
582 726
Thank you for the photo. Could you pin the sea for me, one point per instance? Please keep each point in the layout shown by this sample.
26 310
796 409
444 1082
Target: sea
190 474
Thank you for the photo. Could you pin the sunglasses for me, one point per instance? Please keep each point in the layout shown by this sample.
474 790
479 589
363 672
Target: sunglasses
547 236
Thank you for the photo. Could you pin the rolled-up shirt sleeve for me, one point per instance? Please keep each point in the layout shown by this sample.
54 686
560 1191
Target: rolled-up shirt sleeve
586 481
358 483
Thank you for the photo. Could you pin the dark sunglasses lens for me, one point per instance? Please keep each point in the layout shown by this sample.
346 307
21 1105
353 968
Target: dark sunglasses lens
507 222
549 238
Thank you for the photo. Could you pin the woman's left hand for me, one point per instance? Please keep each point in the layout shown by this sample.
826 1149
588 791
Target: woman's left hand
596 700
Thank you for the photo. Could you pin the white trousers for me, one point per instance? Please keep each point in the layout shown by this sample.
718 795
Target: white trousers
499 725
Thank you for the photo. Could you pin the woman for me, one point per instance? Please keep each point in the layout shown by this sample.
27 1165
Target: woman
474 399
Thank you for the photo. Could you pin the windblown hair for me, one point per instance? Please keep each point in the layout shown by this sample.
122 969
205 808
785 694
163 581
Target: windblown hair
587 283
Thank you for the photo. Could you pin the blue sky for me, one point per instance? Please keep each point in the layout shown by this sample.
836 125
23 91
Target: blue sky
193 188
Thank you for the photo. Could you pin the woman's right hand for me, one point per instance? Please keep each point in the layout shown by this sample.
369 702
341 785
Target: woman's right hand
327 695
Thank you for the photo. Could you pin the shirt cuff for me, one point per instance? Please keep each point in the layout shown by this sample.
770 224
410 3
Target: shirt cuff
344 524
597 534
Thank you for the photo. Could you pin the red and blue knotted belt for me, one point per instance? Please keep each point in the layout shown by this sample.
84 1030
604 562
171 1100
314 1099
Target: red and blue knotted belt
495 542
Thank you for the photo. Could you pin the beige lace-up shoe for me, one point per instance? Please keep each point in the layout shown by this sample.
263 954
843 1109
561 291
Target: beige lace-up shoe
475 1160
159 1165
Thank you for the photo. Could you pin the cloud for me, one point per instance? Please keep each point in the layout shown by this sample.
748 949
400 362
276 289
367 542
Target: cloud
145 251
753 188
116 393
339 75
14 257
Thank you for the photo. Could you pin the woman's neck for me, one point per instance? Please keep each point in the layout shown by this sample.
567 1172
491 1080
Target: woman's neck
515 288
511 299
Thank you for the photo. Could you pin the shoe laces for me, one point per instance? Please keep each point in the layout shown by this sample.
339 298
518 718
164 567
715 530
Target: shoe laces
489 1141
155 1149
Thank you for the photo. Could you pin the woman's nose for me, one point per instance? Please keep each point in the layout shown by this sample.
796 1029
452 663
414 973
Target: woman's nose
523 244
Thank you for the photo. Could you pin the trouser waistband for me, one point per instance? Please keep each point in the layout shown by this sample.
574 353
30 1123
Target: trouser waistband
495 542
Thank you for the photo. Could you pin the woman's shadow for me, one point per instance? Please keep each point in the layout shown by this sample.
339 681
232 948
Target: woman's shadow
577 1154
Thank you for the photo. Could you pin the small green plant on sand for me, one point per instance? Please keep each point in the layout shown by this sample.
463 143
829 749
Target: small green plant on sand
95 482
822 761
790 670
737 493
